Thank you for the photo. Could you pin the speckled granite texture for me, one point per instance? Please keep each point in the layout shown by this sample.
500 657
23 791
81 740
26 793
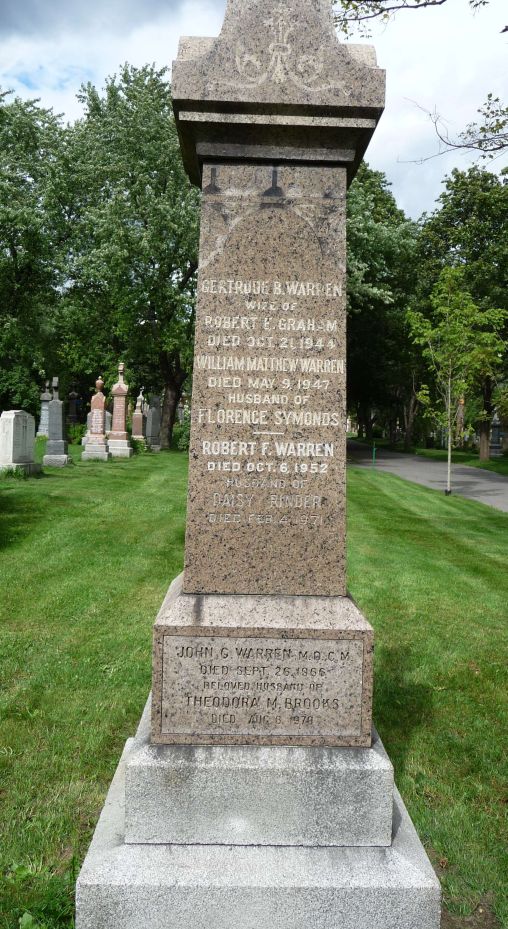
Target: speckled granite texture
257 794
266 503
261 670
247 887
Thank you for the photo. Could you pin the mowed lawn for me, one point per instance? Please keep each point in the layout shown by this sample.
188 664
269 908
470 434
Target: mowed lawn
86 555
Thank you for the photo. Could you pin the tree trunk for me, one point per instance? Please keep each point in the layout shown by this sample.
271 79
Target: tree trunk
485 424
168 413
392 427
449 464
174 378
410 409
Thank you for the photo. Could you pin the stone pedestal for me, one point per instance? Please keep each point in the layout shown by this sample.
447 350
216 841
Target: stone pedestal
56 447
274 857
17 437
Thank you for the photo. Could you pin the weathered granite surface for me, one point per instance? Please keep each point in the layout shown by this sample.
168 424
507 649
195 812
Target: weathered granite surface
263 670
229 886
17 437
267 455
276 82
257 795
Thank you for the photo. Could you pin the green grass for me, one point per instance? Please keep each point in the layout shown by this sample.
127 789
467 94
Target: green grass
86 555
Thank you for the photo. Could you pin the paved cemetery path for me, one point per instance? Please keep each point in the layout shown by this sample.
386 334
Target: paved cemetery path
473 483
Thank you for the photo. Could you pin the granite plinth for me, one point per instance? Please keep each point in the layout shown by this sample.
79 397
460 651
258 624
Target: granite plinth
257 795
95 451
129 886
29 467
261 670
56 461
120 448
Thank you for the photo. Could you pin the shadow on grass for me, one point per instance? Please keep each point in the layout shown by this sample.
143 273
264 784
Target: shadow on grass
18 513
401 705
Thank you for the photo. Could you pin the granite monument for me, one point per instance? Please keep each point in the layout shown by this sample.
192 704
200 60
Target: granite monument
56 447
118 440
256 792
153 424
96 444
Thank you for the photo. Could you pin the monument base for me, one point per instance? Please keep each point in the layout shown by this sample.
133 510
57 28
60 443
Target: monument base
56 461
238 886
120 448
95 452
29 467
257 795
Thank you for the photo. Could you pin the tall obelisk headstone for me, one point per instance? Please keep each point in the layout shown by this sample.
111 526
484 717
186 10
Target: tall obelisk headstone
56 447
96 445
259 648
118 440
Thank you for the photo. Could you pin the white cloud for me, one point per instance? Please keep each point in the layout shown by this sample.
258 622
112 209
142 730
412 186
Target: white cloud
446 59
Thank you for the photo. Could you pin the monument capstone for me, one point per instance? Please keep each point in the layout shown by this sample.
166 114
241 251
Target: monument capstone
256 792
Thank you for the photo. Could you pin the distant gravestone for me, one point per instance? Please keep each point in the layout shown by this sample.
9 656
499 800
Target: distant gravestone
85 438
96 446
17 437
139 419
108 419
72 415
43 422
153 425
56 448
118 439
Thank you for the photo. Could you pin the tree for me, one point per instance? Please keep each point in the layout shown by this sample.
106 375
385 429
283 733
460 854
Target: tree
489 136
382 361
470 232
132 255
30 140
352 12
461 342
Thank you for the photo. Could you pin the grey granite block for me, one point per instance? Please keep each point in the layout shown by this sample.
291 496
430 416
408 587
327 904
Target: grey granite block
246 887
56 461
257 795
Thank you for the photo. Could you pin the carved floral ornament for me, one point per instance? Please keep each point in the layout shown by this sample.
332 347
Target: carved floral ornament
279 63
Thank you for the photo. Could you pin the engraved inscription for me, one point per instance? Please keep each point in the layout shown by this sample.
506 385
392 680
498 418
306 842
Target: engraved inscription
267 455
224 685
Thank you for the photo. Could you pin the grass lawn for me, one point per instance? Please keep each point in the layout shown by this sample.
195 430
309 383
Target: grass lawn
86 555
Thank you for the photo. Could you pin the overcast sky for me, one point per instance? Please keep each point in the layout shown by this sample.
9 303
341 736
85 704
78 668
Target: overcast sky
446 59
